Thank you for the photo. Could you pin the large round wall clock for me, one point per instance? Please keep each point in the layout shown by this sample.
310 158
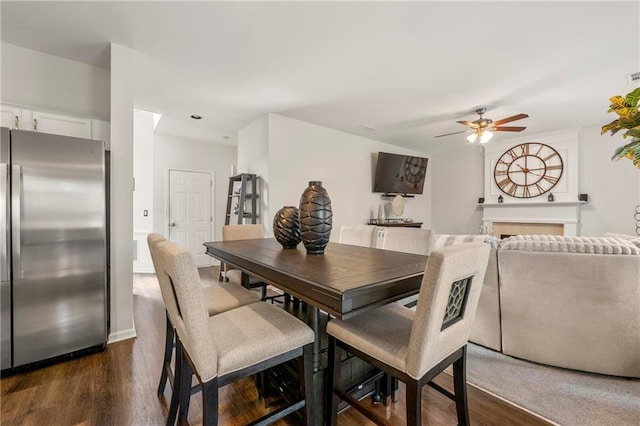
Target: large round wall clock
528 170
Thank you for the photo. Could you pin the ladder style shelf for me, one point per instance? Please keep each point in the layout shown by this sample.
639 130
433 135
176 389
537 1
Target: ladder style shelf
241 195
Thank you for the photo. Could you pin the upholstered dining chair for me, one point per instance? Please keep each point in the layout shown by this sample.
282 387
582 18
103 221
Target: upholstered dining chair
218 297
243 232
222 348
409 240
415 346
359 235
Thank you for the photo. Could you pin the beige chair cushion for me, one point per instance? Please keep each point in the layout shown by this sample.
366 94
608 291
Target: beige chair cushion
223 297
414 342
254 333
382 333
235 276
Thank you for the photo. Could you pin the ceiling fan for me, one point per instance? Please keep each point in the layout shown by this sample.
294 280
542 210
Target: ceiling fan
483 128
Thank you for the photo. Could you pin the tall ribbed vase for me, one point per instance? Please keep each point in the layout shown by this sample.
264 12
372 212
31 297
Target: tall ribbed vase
286 226
315 218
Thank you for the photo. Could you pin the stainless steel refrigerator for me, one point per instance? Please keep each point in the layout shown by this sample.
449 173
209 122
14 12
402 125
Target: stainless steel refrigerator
52 247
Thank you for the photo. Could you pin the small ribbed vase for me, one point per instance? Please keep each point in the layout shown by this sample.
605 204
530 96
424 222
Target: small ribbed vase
315 218
286 227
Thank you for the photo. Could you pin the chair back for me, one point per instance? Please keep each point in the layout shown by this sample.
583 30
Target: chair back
409 240
447 304
359 235
183 295
166 289
242 232
152 240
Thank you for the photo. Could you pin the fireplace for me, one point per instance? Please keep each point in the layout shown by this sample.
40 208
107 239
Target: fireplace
506 229
531 218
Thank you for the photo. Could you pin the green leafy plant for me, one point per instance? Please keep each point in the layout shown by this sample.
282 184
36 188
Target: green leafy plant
628 118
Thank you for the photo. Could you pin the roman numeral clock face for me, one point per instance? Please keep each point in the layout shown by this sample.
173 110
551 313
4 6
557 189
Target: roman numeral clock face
528 170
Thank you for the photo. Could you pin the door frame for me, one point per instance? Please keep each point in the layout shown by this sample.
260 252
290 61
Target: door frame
167 197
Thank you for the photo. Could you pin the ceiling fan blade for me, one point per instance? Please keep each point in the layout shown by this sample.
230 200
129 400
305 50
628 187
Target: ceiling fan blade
454 133
468 124
510 119
508 129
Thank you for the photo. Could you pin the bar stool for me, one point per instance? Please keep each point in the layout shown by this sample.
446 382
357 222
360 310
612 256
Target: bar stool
218 297
415 346
231 345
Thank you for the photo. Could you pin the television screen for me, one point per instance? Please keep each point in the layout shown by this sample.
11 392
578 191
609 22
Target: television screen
399 174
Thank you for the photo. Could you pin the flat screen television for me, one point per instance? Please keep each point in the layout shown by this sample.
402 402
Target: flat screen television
399 174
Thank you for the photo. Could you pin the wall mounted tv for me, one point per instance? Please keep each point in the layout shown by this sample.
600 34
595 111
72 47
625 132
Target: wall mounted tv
399 174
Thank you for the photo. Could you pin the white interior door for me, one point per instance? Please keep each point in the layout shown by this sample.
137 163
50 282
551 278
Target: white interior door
190 212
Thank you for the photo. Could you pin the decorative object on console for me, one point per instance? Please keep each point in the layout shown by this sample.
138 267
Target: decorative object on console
583 197
482 127
500 199
636 216
528 170
480 200
381 213
397 205
550 197
316 218
286 226
628 118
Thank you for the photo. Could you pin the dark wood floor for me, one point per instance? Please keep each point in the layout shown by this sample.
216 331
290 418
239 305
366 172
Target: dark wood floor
118 386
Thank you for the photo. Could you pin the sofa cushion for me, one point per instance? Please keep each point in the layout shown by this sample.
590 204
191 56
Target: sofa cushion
566 244
443 240
634 239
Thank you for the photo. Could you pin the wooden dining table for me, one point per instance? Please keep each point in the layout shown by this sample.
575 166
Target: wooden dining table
343 281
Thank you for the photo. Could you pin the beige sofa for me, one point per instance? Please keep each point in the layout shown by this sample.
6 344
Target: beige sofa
571 302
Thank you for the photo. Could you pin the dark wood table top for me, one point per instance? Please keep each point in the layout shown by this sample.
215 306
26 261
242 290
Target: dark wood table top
343 281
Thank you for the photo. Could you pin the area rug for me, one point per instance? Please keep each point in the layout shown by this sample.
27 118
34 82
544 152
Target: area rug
566 397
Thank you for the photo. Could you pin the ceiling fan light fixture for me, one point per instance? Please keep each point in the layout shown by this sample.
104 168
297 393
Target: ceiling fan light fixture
472 137
486 136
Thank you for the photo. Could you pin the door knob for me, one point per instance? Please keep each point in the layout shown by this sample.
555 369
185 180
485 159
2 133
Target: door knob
173 225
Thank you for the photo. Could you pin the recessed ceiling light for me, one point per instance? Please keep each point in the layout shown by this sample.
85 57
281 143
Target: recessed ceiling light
196 117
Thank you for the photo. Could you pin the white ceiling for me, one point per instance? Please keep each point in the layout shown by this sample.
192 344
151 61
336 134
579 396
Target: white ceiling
407 69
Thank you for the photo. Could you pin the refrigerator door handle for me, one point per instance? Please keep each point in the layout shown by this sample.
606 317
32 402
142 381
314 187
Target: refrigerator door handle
16 200
4 223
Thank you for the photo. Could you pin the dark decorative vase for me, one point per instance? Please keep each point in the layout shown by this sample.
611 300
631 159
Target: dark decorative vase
315 218
286 227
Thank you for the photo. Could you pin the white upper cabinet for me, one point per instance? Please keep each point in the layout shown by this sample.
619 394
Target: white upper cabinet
61 125
11 116
23 118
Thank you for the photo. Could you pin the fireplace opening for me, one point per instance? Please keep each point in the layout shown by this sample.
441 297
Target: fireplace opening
509 229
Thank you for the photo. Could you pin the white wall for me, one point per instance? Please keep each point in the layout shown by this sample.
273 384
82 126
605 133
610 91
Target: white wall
53 83
176 153
143 193
613 186
122 326
457 183
253 157
300 152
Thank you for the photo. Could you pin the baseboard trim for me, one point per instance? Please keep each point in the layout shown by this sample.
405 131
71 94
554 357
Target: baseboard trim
122 335
144 270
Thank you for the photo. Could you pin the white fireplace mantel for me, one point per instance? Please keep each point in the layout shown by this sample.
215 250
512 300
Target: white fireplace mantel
566 213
